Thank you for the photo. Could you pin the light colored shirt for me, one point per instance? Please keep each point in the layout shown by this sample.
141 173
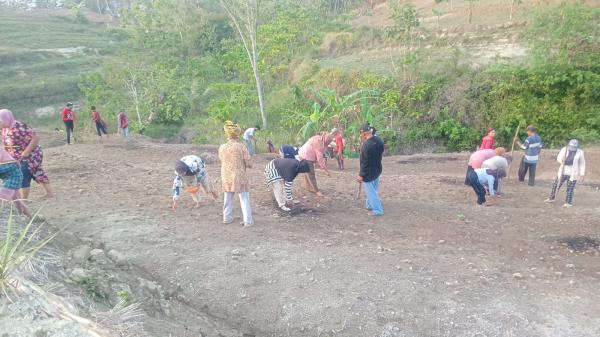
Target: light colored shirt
496 163
314 150
478 157
249 133
486 179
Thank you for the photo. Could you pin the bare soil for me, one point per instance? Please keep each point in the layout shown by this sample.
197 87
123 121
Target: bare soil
434 265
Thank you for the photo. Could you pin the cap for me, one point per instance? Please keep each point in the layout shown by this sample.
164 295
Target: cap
366 128
531 128
69 104
573 144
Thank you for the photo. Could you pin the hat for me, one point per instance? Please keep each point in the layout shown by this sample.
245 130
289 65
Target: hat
366 128
69 104
573 144
232 130
531 128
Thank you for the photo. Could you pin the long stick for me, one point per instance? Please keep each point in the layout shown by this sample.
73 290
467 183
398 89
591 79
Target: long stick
359 189
512 150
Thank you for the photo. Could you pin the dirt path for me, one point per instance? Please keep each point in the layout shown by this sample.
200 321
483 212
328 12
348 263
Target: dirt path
434 265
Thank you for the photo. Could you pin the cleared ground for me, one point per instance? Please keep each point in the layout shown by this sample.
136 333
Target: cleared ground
434 265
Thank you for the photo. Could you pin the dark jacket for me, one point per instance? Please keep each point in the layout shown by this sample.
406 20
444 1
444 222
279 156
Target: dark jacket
370 159
289 168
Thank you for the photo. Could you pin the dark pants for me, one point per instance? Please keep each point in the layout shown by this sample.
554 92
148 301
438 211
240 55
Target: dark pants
523 168
469 169
558 184
69 126
100 128
473 181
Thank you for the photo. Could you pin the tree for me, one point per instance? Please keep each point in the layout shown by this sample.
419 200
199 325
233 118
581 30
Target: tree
244 15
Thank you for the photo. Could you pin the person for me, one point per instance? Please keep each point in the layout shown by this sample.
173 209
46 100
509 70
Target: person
12 178
571 170
476 160
499 162
280 174
123 123
289 151
22 144
371 154
532 147
191 174
100 124
478 178
68 118
270 146
249 138
313 151
487 142
235 159
339 149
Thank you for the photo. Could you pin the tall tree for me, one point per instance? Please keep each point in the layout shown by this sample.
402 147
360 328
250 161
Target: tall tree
244 15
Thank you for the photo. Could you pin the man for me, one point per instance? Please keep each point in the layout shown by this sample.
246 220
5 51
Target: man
370 168
68 118
479 178
123 123
339 149
532 147
249 139
100 125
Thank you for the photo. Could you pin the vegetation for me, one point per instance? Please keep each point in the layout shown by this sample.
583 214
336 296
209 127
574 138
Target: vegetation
188 65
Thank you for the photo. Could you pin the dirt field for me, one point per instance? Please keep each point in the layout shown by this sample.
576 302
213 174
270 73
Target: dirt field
434 265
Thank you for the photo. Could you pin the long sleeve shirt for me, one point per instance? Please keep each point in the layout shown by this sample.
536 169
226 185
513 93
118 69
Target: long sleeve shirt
486 179
478 157
314 150
532 147
487 143
370 159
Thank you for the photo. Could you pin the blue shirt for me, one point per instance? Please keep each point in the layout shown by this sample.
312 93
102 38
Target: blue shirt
486 179
532 147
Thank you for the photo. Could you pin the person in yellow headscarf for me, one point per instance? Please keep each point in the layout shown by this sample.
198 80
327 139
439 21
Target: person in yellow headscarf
235 159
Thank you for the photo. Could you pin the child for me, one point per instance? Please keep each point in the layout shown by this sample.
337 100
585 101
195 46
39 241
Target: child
280 174
270 146
100 125
190 173
339 149
123 123
572 169
11 175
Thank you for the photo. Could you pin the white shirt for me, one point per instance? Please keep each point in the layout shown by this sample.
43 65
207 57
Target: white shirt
249 133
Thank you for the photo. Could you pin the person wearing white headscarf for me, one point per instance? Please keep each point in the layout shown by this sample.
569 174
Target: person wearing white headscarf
571 170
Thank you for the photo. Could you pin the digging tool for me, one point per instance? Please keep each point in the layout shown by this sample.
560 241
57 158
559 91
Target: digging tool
512 150
359 190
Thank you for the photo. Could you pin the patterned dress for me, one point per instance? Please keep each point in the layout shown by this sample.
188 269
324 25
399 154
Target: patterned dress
16 139
234 158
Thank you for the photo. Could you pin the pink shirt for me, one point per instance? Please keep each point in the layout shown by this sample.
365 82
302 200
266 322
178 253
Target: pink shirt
487 143
314 150
478 157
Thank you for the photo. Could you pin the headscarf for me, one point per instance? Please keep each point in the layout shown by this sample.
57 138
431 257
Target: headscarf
180 166
573 145
232 131
7 118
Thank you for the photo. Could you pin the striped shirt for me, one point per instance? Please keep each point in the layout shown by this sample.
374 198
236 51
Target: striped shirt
532 147
273 175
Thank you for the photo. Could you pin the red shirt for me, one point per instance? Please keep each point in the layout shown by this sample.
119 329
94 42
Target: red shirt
123 122
487 143
95 116
67 115
339 143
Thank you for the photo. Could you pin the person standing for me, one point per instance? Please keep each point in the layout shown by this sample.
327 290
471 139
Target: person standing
250 140
100 124
371 154
68 118
487 142
571 170
123 123
22 144
339 149
313 151
532 147
280 174
235 159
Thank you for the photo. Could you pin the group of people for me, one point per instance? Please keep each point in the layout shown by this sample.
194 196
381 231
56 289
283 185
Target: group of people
69 119
280 173
488 166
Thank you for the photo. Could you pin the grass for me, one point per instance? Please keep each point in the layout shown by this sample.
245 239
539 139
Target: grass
42 58
18 246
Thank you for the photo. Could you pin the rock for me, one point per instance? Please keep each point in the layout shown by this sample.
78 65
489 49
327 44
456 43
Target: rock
570 265
117 257
441 242
80 274
80 254
97 255
40 333
518 276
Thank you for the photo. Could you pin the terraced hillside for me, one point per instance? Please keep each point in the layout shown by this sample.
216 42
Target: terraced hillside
42 57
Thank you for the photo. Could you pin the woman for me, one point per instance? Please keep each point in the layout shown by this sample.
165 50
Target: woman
280 174
488 141
571 170
313 151
191 174
22 144
12 177
235 159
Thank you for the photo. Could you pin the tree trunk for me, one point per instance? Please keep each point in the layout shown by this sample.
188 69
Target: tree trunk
512 5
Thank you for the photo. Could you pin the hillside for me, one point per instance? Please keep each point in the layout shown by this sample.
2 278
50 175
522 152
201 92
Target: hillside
42 56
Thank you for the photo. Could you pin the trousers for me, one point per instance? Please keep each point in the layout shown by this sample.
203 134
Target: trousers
228 207
373 202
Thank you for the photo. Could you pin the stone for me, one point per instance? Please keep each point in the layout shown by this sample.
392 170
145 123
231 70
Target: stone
117 257
441 242
97 255
80 274
80 254
518 276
